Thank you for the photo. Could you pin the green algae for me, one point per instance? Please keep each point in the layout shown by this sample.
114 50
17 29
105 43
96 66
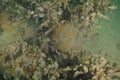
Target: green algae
28 50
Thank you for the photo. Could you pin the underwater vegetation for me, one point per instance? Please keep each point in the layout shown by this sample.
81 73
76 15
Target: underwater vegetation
44 40
64 36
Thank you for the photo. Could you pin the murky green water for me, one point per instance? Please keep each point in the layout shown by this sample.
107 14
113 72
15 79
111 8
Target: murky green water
108 41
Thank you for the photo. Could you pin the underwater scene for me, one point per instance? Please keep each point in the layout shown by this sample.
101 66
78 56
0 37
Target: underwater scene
59 39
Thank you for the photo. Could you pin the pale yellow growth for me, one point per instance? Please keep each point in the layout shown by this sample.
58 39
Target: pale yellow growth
13 30
64 36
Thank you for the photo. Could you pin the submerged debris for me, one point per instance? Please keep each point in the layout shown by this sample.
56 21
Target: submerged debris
49 38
